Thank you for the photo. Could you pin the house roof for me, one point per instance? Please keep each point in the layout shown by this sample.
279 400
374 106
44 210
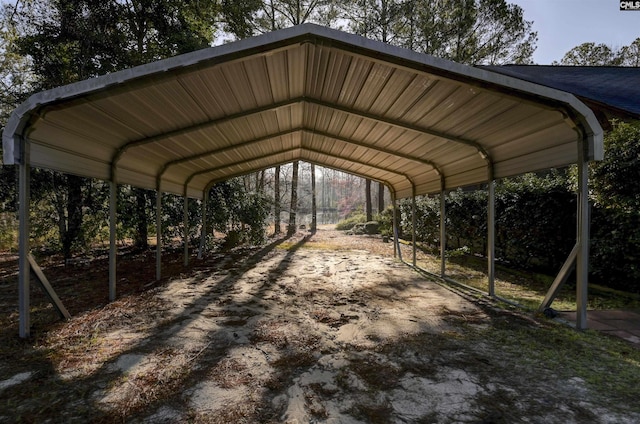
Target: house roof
613 89
411 121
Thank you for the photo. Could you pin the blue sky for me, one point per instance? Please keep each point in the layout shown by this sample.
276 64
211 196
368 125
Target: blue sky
564 24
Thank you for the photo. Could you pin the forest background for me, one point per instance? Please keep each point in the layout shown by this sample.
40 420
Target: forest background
46 43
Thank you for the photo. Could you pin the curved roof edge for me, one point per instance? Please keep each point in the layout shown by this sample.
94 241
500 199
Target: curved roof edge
581 115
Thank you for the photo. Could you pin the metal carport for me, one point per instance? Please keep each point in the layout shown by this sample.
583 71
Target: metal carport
414 122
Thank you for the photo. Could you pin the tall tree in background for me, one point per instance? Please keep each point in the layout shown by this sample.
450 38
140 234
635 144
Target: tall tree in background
474 31
630 55
72 40
380 198
153 30
67 41
376 19
465 31
592 54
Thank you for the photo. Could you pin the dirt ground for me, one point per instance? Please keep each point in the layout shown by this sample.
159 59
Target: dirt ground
322 328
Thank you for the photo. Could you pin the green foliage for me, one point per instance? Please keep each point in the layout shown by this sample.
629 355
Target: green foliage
592 54
385 219
234 210
535 220
615 229
427 219
469 31
356 217
535 224
8 233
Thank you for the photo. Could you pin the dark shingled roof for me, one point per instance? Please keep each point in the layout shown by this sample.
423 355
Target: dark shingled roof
617 89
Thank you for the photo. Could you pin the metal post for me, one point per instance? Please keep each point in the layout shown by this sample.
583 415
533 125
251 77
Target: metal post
203 227
395 225
24 278
413 223
582 237
185 236
491 237
158 231
113 198
443 233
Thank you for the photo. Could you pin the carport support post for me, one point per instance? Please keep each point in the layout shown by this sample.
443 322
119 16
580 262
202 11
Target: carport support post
158 231
396 245
443 232
203 227
185 235
113 198
413 224
24 198
582 263
491 237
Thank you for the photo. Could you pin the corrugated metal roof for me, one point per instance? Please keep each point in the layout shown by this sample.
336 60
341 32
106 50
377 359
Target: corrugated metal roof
308 93
616 87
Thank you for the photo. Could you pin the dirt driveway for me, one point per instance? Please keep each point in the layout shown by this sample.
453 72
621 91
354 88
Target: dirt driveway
325 328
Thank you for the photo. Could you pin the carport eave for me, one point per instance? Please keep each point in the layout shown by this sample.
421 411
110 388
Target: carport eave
576 110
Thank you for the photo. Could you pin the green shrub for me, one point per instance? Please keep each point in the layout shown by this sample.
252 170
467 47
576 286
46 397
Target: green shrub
354 218
615 222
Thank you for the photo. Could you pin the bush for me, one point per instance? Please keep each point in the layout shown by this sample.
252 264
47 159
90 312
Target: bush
354 218
615 224
535 220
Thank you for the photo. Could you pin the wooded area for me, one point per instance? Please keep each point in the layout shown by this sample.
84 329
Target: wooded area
51 43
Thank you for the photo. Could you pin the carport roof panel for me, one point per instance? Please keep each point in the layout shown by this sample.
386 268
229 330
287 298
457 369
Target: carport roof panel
409 120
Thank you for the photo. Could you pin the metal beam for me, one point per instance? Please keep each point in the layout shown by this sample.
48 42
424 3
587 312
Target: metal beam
568 266
491 237
582 260
185 234
443 232
48 290
413 221
201 126
113 198
158 230
378 149
403 125
24 198
221 150
203 227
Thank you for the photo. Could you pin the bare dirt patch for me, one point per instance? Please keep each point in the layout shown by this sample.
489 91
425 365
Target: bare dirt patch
314 328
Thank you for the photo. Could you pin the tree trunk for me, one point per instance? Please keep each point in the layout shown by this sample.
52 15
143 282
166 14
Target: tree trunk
74 214
276 202
314 221
294 200
141 222
380 198
368 208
